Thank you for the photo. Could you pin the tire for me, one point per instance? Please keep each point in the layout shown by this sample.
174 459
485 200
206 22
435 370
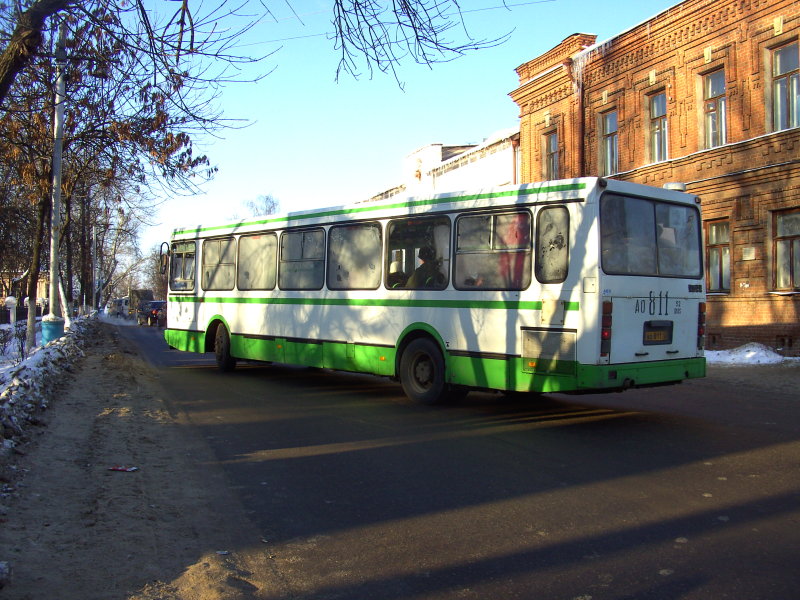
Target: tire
222 350
422 372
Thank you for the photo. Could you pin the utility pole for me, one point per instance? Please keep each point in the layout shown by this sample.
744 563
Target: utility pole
94 268
53 322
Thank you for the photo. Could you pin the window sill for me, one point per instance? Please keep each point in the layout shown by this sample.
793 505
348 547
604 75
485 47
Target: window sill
786 293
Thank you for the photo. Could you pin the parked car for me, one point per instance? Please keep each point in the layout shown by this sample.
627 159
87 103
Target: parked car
153 313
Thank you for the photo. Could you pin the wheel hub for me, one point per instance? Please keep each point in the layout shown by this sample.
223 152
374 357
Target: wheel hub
423 372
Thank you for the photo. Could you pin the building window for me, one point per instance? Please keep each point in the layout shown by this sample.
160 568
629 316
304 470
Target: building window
786 87
551 155
610 148
714 108
787 250
718 256
658 127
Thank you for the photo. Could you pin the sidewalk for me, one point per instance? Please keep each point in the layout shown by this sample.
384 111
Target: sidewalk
119 498
782 377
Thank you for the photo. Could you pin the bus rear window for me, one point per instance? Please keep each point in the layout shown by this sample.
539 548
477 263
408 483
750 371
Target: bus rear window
649 238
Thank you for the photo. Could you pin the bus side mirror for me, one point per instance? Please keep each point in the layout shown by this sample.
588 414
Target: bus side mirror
163 257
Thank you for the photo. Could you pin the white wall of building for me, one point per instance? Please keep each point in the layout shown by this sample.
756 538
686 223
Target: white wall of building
493 163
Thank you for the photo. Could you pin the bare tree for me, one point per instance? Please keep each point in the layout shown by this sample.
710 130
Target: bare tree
263 205
152 277
123 133
381 34
149 82
378 33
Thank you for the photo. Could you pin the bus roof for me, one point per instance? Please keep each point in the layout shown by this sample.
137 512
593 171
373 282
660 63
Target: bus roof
543 192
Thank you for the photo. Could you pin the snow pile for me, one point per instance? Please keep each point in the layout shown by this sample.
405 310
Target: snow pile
27 388
749 354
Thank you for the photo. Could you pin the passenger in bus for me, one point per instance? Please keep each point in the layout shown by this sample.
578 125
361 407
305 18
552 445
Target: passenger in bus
427 274
476 281
396 278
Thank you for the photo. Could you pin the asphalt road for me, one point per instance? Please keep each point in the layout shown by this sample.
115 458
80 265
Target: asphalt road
688 491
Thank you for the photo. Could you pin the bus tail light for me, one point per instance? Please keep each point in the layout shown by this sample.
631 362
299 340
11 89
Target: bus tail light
605 329
701 325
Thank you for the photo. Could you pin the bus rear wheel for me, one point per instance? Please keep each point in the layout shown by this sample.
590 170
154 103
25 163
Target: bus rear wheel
222 350
422 372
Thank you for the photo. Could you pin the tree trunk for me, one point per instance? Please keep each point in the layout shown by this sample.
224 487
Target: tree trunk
84 259
25 40
33 280
66 244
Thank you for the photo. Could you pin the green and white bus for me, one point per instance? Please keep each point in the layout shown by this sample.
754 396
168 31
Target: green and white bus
580 285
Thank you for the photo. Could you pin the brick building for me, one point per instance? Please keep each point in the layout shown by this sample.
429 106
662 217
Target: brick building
706 93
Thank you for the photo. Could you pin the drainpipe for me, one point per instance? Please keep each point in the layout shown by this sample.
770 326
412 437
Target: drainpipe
577 85
514 160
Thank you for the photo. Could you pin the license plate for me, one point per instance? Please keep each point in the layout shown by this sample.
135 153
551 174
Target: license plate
655 336
657 332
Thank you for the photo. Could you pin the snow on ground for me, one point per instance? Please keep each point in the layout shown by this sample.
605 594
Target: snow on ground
749 354
10 358
27 384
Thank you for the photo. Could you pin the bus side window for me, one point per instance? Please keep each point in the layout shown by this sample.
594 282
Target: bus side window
302 260
219 261
354 257
552 244
419 255
493 251
257 262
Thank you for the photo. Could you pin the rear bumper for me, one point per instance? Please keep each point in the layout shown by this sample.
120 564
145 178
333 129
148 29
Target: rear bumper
627 375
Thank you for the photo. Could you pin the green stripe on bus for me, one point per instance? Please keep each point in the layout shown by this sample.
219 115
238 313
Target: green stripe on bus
569 187
476 304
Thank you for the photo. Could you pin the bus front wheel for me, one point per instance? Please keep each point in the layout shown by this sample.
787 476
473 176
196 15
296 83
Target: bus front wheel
422 372
222 350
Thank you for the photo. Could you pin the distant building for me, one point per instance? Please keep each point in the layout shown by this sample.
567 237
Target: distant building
438 168
14 283
706 93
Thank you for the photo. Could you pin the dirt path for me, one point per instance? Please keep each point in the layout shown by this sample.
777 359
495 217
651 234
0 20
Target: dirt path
72 528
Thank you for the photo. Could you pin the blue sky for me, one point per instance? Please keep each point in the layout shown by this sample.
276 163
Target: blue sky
317 142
